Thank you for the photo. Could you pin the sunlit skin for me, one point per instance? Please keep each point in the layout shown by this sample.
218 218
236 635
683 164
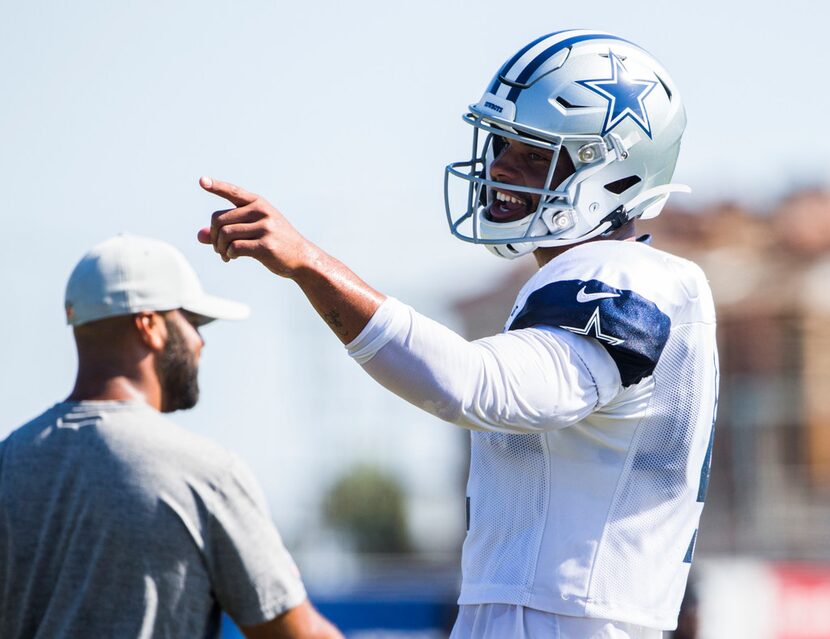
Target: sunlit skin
522 165
527 165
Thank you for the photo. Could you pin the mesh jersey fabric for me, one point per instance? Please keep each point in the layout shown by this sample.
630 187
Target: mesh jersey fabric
115 522
592 420
599 519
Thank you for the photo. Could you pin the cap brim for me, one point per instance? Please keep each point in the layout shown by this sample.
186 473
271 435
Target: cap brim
211 308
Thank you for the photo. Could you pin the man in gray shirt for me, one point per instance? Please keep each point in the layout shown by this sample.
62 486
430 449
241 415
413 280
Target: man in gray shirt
115 522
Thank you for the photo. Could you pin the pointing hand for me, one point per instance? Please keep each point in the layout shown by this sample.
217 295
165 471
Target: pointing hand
254 228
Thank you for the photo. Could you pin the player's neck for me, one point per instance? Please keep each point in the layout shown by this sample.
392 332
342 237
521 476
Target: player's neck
101 381
110 389
545 254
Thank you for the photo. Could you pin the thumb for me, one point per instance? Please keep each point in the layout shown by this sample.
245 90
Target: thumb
204 236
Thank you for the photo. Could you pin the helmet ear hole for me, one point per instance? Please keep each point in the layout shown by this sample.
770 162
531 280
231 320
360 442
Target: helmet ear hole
564 168
620 186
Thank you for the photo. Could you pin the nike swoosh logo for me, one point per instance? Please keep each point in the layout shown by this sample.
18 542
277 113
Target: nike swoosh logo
583 297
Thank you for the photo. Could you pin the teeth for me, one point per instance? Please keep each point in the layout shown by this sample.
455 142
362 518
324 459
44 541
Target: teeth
504 197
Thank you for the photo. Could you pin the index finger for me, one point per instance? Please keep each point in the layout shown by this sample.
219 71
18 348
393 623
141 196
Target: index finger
234 194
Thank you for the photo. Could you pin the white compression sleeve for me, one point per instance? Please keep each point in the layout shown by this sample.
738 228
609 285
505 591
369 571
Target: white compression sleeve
528 380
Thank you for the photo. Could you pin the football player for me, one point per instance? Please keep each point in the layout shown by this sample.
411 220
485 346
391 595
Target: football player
592 413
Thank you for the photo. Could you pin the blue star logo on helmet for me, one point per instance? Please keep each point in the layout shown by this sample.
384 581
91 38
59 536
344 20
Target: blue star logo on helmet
625 96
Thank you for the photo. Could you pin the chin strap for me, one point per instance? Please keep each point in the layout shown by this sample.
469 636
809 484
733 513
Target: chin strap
662 191
615 219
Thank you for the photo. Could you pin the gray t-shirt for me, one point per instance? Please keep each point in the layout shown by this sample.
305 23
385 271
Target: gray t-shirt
115 522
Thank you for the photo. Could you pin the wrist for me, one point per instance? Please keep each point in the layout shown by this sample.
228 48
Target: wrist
312 263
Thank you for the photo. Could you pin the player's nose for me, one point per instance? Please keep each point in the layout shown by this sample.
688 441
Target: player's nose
504 167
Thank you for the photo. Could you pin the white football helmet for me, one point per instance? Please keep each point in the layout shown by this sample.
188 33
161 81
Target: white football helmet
613 109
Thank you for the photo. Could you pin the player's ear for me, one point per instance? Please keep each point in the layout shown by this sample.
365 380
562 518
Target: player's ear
151 329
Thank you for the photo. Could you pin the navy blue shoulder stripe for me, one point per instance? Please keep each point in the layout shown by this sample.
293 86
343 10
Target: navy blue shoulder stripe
630 327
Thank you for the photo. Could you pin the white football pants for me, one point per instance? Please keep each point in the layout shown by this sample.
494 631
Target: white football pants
506 621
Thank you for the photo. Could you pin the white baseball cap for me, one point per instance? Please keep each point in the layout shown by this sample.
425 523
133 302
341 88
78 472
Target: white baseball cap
128 274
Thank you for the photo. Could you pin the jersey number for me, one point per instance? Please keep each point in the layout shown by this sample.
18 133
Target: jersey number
707 460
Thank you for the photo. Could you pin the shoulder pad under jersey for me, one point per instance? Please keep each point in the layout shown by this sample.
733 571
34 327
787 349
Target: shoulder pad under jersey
630 327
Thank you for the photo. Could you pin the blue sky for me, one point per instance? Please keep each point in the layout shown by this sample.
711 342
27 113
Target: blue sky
344 115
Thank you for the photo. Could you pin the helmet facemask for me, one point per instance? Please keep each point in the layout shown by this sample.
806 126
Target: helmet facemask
606 103
555 220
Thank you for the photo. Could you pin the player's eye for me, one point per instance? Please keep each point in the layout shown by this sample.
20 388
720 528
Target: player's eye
499 145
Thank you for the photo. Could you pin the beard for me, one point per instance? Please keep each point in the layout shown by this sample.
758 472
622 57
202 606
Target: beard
178 371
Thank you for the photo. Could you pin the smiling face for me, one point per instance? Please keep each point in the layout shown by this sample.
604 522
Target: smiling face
522 164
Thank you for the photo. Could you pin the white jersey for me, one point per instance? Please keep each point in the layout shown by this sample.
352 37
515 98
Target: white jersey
592 419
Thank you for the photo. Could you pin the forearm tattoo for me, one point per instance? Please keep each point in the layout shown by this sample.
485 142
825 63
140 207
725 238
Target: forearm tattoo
333 320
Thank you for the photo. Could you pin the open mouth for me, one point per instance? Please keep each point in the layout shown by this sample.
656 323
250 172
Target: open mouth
508 207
